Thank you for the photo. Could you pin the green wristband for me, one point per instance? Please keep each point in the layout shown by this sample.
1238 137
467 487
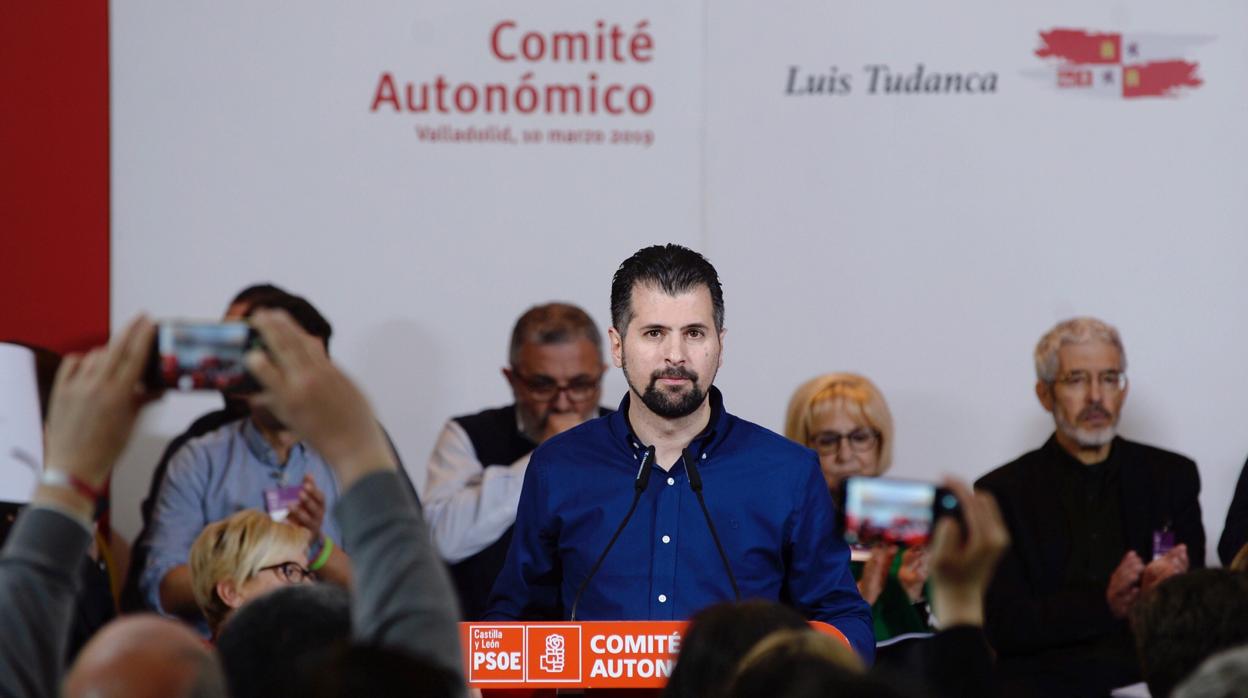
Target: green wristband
327 549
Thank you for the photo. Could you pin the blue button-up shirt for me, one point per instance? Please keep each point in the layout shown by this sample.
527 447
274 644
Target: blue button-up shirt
766 495
214 476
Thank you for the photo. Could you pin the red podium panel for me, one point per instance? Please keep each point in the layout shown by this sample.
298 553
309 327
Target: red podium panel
593 654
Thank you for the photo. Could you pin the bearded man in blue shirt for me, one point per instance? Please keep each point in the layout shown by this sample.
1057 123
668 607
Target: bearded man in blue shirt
671 503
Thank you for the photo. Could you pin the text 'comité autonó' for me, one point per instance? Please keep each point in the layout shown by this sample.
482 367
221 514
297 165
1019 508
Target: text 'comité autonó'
604 45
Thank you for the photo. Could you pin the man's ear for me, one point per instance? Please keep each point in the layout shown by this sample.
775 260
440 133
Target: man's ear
228 591
722 332
617 347
1044 393
508 375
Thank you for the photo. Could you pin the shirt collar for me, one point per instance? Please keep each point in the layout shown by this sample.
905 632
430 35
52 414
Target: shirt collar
710 437
260 448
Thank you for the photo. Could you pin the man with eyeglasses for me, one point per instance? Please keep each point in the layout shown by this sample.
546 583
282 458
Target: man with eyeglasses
1096 521
474 476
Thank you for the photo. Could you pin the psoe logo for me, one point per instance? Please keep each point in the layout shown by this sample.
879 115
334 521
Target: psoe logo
1110 64
554 653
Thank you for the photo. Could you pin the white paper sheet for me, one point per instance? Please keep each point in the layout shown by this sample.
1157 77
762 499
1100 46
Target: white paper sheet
21 426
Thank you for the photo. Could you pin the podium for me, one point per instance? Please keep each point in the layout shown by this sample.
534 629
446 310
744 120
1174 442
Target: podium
589 654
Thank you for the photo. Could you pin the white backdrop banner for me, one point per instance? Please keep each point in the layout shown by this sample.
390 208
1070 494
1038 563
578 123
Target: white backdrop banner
913 191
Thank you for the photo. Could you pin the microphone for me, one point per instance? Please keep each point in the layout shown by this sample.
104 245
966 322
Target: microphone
695 484
639 486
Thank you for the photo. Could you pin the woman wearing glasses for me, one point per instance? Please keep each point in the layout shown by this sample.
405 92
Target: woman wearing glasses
239 558
844 418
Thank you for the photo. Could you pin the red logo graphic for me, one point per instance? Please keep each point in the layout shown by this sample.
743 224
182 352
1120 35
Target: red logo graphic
554 653
1121 65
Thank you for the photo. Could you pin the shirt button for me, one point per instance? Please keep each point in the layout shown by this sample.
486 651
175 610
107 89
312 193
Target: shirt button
667 539
662 598
671 481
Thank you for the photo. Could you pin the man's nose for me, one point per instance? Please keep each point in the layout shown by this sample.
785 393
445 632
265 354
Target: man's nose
561 403
674 350
1095 391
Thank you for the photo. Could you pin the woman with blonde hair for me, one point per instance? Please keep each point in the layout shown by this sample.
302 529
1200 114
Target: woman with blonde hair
844 418
241 557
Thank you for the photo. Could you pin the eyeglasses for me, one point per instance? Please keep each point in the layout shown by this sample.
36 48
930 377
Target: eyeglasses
1080 381
289 572
860 440
544 389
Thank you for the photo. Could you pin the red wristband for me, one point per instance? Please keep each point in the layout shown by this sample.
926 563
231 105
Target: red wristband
58 478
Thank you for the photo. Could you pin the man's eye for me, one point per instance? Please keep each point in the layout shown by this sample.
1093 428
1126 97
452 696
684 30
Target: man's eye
654 334
696 334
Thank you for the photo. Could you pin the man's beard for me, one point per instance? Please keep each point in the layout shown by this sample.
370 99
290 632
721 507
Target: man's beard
1088 438
665 404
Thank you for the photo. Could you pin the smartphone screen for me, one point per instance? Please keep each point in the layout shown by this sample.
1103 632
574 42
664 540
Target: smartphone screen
201 356
884 510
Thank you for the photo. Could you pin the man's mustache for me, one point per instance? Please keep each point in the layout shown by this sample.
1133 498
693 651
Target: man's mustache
1094 411
675 372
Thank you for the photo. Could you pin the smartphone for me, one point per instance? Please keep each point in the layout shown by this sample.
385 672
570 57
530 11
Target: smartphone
892 511
188 355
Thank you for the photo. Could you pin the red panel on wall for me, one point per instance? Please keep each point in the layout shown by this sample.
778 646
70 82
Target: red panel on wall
54 253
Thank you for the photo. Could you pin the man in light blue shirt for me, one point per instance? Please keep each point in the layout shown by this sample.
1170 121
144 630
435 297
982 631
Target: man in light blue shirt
230 469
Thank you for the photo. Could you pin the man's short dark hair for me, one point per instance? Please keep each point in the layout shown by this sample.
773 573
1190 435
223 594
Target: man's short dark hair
796 664
670 268
269 642
303 312
1187 619
718 637
552 323
254 291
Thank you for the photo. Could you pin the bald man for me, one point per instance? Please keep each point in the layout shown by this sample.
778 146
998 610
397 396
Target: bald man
145 655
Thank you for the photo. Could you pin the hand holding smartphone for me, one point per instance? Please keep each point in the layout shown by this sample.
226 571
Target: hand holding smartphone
894 512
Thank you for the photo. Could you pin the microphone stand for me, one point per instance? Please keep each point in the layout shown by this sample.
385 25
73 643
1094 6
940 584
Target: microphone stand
639 486
695 484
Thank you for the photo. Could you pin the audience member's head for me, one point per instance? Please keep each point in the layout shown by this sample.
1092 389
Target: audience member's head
241 557
716 640
1224 675
299 308
145 655
377 672
240 305
273 640
1187 619
308 318
844 417
1081 377
556 368
801 664
238 309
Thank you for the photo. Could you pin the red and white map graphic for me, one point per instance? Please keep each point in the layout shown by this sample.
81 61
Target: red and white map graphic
1110 64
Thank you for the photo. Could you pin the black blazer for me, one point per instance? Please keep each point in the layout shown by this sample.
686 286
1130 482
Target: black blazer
1029 607
1235 533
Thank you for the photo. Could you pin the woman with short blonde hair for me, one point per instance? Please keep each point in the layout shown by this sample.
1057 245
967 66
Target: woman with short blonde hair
238 558
861 402
844 418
